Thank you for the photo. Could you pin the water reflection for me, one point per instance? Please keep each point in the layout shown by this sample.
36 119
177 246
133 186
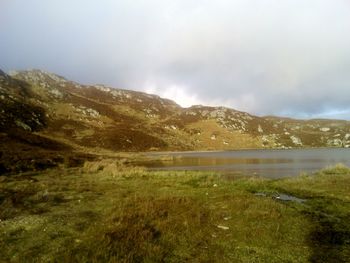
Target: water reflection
268 163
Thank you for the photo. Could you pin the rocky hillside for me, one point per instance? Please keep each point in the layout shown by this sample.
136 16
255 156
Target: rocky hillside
47 111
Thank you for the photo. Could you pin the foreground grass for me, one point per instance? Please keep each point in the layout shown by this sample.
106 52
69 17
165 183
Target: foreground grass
108 212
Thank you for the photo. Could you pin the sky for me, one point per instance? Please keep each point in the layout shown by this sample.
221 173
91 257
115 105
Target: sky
266 57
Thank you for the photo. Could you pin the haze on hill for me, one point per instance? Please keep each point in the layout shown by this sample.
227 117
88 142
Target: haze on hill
265 57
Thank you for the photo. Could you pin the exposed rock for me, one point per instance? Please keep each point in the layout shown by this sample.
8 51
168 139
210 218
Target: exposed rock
87 111
296 140
223 227
218 113
23 125
102 88
56 93
335 142
204 113
347 136
265 138
192 113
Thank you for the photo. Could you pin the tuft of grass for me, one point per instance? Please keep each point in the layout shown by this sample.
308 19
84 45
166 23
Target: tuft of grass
336 169
331 182
113 168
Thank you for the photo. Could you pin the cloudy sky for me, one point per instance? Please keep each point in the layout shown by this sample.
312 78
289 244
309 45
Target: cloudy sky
280 57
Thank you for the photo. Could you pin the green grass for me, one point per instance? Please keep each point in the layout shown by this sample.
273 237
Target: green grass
110 212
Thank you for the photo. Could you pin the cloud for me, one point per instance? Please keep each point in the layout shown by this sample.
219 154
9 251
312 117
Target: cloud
286 57
176 93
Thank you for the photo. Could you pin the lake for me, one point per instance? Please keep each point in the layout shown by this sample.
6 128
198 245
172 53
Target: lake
266 163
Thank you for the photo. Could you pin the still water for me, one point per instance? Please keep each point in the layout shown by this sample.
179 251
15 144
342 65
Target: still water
267 163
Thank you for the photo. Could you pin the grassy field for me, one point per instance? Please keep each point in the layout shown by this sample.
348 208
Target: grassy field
110 212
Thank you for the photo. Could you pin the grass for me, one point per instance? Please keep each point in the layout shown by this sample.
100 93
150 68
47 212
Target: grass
232 139
108 211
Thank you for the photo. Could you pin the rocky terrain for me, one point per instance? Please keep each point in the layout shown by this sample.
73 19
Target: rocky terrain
47 114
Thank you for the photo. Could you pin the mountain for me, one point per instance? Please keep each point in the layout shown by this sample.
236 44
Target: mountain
44 112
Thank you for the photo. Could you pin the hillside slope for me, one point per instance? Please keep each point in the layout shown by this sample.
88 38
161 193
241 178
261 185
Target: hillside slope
75 116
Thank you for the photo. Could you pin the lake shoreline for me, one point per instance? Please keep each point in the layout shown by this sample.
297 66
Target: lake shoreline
271 163
237 150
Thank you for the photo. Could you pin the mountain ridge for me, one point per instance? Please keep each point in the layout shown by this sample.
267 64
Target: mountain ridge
92 117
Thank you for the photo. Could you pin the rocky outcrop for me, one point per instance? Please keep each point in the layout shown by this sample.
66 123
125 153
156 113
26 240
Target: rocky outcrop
125 120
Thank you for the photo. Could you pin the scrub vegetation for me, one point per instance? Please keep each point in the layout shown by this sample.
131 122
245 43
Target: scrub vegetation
110 211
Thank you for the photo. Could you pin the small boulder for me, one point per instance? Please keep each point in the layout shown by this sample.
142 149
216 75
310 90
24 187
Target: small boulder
223 227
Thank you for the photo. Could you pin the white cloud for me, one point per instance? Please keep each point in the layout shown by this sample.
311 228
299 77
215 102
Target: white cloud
176 93
261 56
